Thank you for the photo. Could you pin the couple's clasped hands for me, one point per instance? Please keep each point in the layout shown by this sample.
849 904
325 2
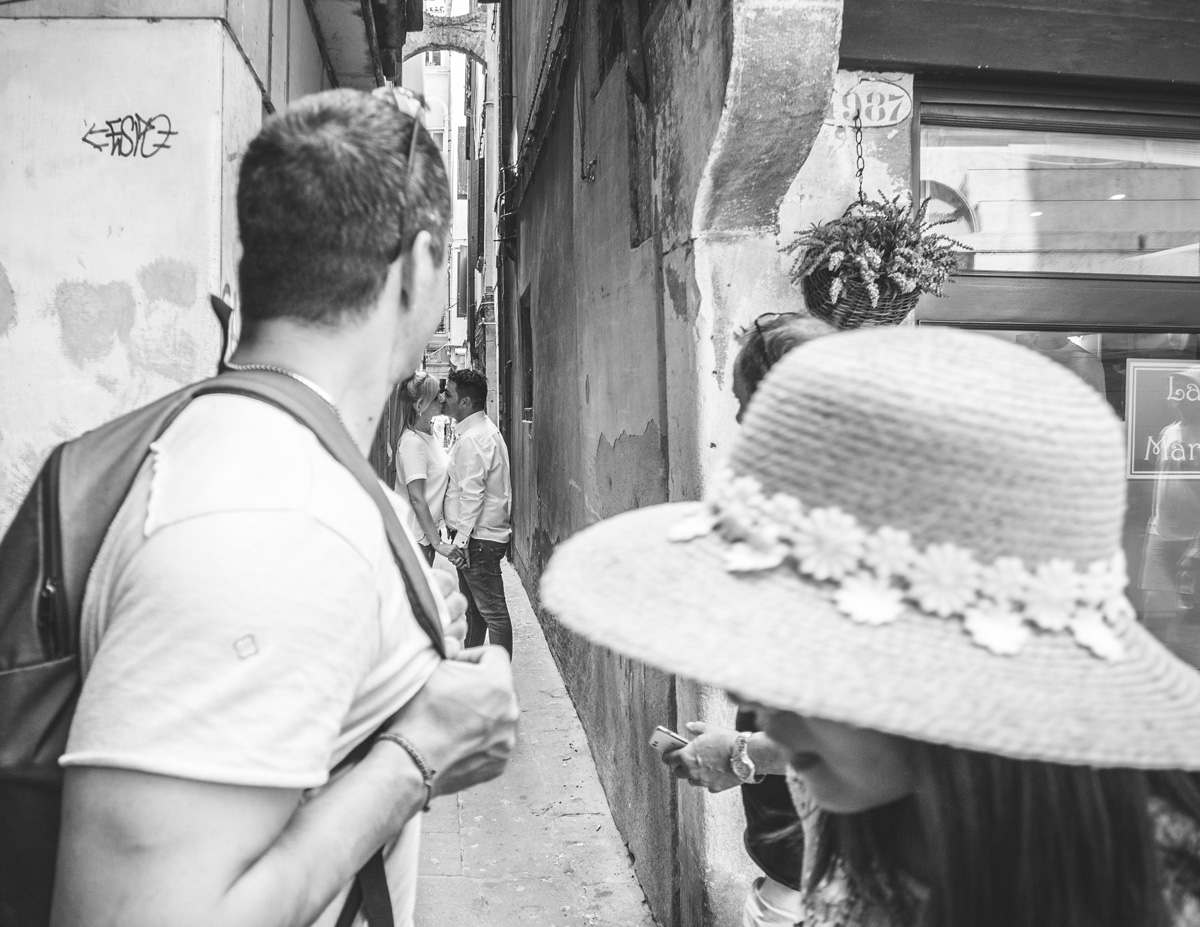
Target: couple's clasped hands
457 556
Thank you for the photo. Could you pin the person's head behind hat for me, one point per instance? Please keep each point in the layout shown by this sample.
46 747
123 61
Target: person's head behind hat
919 532
763 343
325 203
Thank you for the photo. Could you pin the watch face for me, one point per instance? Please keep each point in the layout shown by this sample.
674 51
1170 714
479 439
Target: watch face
740 763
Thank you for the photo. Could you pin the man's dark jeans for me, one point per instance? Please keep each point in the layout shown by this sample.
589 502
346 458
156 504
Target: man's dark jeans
481 583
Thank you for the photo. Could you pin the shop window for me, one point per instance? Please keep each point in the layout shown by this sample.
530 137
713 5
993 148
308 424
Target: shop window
1084 216
1076 203
1039 200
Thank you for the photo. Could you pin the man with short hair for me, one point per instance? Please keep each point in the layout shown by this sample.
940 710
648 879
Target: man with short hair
245 626
478 509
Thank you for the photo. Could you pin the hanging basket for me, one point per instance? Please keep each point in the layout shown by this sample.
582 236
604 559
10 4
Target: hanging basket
853 308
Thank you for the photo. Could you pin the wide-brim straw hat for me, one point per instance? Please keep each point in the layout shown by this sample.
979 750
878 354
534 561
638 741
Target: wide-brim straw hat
918 532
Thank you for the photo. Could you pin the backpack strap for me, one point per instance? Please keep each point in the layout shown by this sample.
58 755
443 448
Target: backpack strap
94 473
369 892
318 416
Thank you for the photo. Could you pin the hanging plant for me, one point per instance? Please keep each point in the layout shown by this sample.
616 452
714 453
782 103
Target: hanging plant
870 266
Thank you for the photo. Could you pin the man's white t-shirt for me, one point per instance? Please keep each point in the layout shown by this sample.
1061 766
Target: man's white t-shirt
245 622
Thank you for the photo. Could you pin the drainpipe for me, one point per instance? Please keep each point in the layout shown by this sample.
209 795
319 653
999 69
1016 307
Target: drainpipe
506 227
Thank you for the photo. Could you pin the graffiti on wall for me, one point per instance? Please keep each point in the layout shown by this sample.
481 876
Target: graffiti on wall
132 136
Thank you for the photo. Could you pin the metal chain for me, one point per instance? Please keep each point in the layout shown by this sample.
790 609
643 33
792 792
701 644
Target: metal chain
301 379
860 163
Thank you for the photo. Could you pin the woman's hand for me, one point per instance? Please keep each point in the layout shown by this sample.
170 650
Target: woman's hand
705 760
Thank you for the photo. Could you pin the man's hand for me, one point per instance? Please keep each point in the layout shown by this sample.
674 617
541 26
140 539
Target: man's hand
459 557
455 633
705 760
464 720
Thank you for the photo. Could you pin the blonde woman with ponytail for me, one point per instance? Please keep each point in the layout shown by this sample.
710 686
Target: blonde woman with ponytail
421 461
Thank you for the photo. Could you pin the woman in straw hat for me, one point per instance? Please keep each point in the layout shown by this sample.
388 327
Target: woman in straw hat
911 570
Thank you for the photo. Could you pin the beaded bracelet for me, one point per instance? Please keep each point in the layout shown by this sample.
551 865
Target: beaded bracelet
423 767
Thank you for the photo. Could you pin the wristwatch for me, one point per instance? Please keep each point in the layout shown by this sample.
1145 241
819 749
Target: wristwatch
740 762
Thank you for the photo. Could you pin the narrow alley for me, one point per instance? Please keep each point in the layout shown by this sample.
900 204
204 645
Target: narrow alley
537 846
914 627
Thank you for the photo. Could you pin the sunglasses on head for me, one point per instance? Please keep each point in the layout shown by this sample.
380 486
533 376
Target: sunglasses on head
760 326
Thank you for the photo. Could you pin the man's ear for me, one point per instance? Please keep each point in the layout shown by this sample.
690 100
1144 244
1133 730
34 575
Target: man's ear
421 278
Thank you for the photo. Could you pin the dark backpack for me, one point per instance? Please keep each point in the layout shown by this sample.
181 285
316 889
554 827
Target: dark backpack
45 558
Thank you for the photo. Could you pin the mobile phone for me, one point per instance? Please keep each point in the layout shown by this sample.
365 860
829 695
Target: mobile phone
664 739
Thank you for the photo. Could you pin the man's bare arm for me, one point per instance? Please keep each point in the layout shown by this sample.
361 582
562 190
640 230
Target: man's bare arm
142 850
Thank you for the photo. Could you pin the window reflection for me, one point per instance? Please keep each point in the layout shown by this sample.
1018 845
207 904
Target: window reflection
1152 380
1067 202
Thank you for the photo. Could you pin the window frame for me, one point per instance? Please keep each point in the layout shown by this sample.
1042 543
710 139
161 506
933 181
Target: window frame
1055 300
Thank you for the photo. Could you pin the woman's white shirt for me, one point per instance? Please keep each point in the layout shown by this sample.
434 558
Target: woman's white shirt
421 457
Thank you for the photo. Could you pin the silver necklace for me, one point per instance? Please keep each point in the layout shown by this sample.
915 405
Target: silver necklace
299 378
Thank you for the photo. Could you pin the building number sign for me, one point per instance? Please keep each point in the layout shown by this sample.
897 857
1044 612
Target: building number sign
877 103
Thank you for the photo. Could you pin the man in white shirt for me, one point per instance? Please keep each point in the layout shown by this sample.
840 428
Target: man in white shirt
478 509
245 626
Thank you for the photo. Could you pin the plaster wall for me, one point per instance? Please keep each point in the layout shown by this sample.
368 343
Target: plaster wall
623 462
249 21
642 343
747 273
688 55
598 333
276 38
305 71
108 252
827 182
593 444
456 113
546 445
112 237
534 22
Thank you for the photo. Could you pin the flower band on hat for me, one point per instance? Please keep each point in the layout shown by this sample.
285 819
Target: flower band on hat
874 576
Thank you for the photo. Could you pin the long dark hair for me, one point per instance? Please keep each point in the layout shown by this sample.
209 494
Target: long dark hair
1013 843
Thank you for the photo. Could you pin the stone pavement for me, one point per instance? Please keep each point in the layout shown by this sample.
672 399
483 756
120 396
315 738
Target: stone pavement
538 846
